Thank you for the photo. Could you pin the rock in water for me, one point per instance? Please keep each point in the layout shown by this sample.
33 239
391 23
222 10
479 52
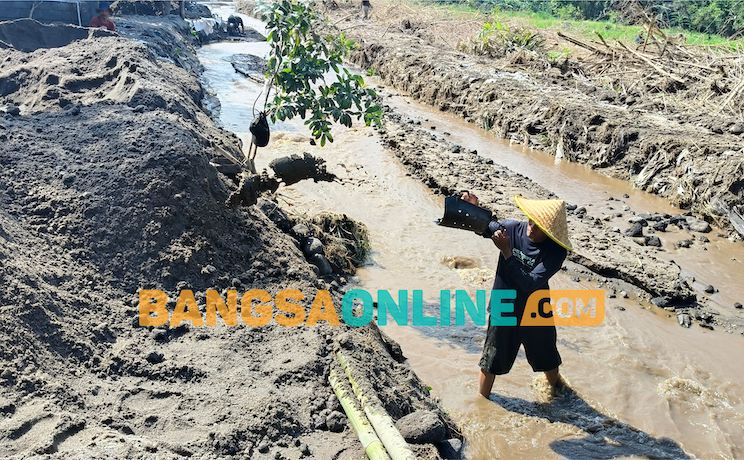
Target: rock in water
450 449
422 427
738 306
635 231
699 226
683 244
653 241
684 320
250 66
709 289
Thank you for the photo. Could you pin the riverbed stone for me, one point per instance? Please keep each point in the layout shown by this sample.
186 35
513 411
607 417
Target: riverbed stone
684 320
640 240
709 289
683 243
737 128
738 306
301 231
660 226
636 230
312 246
451 449
319 260
653 241
661 302
700 226
422 427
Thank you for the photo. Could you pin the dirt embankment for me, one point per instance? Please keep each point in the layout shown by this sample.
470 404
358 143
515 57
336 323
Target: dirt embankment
693 165
107 187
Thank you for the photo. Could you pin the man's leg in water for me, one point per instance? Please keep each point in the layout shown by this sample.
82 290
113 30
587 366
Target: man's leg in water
553 376
557 384
486 383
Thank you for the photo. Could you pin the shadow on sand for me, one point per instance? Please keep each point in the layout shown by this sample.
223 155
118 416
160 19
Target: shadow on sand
606 437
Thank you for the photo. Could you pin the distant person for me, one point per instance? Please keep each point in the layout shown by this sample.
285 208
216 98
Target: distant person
366 8
235 25
102 20
531 252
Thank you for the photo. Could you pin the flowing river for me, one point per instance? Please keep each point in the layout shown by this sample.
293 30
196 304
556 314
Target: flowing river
644 386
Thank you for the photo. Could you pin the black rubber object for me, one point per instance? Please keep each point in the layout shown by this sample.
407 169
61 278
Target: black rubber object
460 214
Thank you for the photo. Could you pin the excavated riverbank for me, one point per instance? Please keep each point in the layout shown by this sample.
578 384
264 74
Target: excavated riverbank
694 167
110 183
612 259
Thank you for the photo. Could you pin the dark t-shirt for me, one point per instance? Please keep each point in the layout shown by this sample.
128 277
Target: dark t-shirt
530 266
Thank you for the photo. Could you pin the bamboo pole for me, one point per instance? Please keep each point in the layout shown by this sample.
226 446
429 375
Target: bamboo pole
372 445
396 446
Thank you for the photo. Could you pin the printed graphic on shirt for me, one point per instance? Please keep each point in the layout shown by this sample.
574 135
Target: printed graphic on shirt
524 259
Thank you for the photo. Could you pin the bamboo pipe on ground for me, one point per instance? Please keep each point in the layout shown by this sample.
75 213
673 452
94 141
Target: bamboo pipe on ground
372 445
396 446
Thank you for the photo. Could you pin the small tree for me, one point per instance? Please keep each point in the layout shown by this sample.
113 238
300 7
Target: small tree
305 68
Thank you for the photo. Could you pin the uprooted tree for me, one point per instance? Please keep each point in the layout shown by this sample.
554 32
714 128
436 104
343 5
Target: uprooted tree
307 79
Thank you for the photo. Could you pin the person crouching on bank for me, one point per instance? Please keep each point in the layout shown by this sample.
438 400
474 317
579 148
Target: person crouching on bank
532 252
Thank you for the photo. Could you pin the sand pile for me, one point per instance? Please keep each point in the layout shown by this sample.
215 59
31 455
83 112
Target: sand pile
106 187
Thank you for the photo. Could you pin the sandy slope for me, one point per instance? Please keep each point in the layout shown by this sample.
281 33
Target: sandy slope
106 187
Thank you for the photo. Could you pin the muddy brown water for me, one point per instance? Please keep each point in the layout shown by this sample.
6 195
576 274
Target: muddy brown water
644 386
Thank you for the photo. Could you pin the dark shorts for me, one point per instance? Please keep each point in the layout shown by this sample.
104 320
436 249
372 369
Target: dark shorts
503 342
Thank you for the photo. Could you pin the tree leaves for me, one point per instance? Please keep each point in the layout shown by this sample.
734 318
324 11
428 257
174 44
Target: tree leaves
301 62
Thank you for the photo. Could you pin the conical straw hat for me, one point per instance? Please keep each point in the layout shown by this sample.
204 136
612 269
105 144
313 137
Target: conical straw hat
550 217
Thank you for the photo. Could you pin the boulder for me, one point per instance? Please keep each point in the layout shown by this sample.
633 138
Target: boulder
697 225
654 241
451 449
319 260
312 246
422 427
301 232
636 230
660 226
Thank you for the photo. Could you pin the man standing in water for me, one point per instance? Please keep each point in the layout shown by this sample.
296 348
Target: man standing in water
366 8
531 253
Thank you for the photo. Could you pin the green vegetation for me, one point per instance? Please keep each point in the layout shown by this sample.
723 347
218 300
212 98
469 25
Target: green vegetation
703 22
300 61
498 39
612 30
